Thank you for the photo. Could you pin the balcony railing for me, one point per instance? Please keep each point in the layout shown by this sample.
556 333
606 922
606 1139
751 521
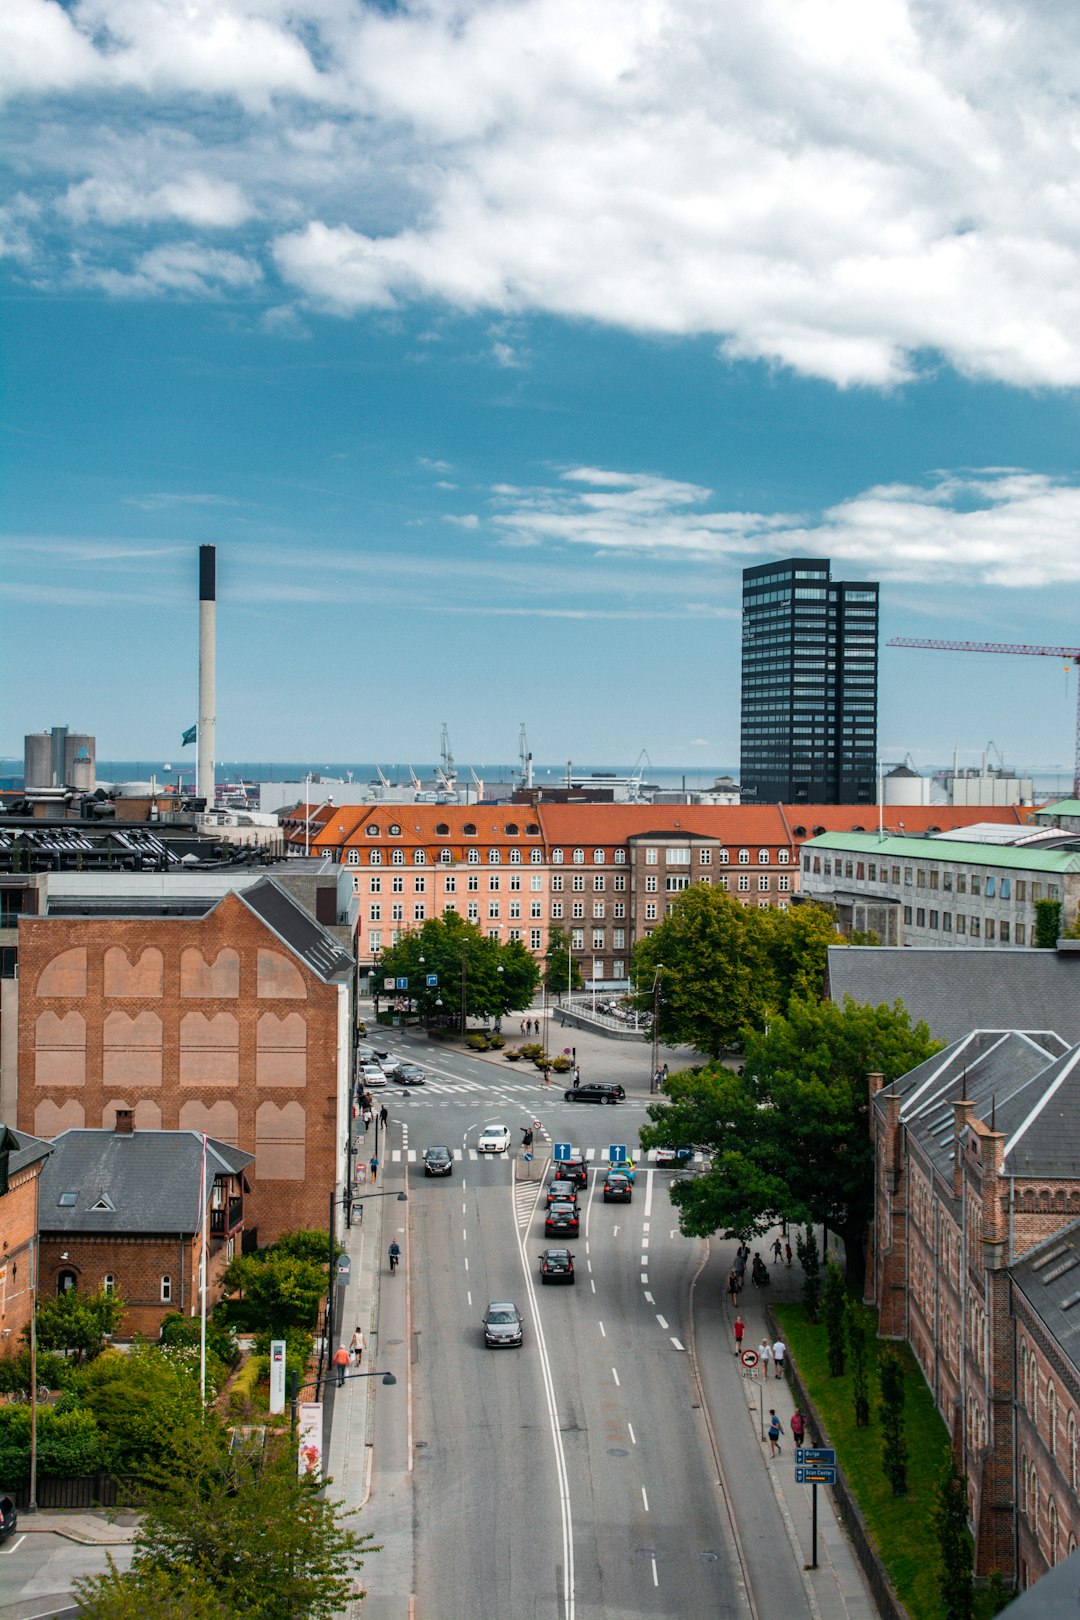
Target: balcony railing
226 1220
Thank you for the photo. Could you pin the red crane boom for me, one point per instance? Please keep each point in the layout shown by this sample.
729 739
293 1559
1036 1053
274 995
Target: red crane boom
1072 653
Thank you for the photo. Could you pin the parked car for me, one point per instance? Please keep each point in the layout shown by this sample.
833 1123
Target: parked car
674 1156
617 1188
9 1519
365 1054
562 1220
409 1074
493 1139
438 1161
562 1192
371 1075
597 1091
503 1325
556 1265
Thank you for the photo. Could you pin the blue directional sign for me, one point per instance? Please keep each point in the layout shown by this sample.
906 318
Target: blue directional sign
403 984
432 980
527 1156
617 1153
815 1474
826 1455
561 1150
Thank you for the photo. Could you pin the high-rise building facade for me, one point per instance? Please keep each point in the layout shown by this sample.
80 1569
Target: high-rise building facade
809 685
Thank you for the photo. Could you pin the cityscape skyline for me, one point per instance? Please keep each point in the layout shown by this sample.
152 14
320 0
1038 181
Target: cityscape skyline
488 395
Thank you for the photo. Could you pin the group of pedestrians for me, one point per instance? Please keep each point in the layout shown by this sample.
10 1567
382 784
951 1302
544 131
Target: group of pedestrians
797 1425
530 1026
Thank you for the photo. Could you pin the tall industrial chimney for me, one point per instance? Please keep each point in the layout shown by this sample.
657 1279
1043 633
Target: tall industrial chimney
204 768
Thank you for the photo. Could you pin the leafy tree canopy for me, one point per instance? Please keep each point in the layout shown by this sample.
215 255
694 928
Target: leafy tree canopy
725 968
240 1534
77 1323
497 979
280 1290
561 972
147 1404
789 1138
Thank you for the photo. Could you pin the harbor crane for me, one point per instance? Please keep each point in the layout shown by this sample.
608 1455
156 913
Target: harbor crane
1024 649
447 775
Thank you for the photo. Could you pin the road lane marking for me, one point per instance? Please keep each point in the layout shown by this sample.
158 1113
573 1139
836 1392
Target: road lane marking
592 1285
633 1436
644 1276
655 1576
466 1262
602 1330
645 1498
645 1226
468 1296
615 1375
644 1243
661 1321
676 1343
650 1299
648 1192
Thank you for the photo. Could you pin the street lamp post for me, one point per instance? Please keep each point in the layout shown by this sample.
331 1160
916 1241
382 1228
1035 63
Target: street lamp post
346 1202
655 1027
295 1389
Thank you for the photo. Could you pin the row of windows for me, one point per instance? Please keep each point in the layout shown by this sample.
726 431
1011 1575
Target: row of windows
442 830
353 857
991 885
536 937
948 922
68 1282
676 855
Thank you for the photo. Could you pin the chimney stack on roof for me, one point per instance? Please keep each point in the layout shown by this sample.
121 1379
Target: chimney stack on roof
125 1122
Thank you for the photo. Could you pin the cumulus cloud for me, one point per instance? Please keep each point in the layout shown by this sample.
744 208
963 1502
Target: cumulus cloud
848 191
182 268
998 527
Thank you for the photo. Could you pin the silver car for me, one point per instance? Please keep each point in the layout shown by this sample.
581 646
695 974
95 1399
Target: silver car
502 1325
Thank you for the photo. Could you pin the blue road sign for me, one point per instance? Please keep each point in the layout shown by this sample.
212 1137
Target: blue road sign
561 1150
432 980
815 1474
617 1153
527 1157
816 1454
403 984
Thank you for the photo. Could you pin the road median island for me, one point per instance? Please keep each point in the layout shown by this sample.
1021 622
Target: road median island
894 1537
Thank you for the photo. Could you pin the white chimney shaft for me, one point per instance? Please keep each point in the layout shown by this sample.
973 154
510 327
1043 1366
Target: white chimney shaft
204 769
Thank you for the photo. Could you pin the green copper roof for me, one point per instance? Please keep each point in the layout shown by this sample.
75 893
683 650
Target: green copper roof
1005 856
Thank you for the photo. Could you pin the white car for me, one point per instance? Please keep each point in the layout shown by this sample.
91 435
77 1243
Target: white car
388 1064
493 1139
371 1075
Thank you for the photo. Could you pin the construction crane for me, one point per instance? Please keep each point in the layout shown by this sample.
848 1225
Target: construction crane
526 778
447 775
1020 647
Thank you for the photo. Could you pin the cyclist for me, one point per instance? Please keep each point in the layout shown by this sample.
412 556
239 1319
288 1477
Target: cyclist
395 1255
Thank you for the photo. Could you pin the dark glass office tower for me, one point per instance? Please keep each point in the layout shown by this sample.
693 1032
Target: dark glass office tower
809 685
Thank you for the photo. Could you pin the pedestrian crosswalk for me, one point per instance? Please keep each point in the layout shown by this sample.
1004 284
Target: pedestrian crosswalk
592 1155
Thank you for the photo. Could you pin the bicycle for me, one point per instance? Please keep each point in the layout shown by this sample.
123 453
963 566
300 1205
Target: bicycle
395 1258
21 1397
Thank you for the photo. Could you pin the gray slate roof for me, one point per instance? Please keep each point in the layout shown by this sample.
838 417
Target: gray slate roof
1049 1279
297 928
1042 1122
991 1068
147 1181
958 990
23 1148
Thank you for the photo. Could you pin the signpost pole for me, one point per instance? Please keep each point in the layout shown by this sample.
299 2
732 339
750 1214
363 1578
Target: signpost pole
813 1532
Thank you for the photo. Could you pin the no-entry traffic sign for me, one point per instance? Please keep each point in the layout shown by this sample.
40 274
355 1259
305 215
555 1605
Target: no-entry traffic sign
749 1359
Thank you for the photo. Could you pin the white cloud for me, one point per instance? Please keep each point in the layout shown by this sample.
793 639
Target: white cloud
179 267
835 188
998 527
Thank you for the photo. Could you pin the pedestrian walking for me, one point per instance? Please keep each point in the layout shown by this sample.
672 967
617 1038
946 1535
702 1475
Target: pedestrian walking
732 1286
787 1253
798 1427
664 1072
341 1361
547 1075
383 1116
764 1350
357 1346
779 1351
740 1329
777 1250
739 1268
774 1433
373 1168
368 1116
577 1078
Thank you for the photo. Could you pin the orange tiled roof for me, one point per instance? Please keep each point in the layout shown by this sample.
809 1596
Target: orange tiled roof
418 823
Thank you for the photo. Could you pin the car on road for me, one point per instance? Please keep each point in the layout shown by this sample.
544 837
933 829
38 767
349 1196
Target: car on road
503 1325
625 1167
597 1091
556 1266
493 1139
409 1074
438 1161
674 1156
617 1188
561 1192
9 1519
562 1220
573 1168
388 1063
365 1054
371 1075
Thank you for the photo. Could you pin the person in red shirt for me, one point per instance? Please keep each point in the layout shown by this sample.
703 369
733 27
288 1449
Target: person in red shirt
341 1361
740 1329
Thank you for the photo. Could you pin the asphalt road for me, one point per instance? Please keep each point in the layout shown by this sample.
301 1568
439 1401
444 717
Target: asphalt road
572 1477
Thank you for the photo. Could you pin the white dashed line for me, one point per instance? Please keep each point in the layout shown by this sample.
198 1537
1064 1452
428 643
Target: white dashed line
650 1299
676 1343
468 1296
644 1276
644 1226
615 1375
644 1498
602 1329
592 1285
644 1243
633 1436
466 1262
655 1576
661 1321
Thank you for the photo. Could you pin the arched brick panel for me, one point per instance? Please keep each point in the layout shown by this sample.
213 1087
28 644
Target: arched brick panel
60 1049
201 978
279 977
209 1049
65 975
281 1050
216 1119
279 1142
143 977
131 1049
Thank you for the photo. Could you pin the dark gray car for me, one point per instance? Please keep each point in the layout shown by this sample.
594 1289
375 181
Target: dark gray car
438 1161
502 1325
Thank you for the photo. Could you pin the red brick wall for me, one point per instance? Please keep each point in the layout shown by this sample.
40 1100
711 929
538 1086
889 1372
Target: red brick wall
268 1103
18 1225
137 1266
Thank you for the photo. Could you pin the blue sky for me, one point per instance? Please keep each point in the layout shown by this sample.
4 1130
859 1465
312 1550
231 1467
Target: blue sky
489 342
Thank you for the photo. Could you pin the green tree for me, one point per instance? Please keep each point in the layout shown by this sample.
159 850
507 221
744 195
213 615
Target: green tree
168 1594
894 1446
798 942
69 1443
789 1138
560 968
1047 924
77 1323
492 979
147 1404
835 1313
809 1258
856 1338
243 1529
279 1290
954 1545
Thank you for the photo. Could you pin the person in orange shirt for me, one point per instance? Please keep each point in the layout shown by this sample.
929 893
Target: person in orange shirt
341 1361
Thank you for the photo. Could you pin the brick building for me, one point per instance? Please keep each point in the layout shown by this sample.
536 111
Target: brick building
22 1158
234 1018
975 1261
122 1210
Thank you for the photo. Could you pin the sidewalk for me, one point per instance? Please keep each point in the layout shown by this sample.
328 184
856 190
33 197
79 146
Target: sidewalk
103 1529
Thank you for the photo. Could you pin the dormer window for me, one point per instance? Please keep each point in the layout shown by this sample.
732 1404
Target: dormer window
494 857
473 857
393 831
398 857
419 857
511 829
556 857
532 829
376 857
445 856
442 830
469 829
515 857
372 831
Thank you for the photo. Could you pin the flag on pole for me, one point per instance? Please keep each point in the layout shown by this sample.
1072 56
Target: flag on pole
188 736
